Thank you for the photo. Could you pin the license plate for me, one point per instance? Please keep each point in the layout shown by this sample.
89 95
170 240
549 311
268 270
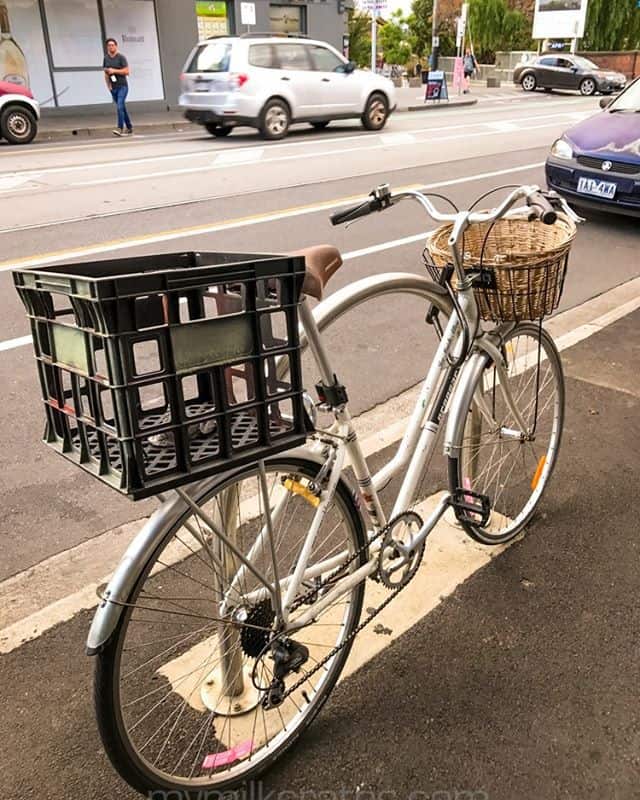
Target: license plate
597 188
202 86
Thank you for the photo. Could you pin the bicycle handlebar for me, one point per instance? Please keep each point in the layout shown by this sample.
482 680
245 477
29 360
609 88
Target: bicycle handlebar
541 205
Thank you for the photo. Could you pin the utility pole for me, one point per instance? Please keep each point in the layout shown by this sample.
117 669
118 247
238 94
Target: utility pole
435 39
374 36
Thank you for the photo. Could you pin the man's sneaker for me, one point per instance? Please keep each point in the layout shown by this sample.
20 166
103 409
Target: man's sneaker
117 132
129 132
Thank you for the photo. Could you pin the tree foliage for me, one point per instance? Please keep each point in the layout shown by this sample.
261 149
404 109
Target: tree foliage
397 39
494 26
360 38
612 25
420 23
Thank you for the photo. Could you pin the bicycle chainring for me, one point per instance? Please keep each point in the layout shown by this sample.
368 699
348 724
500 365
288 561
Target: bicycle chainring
399 560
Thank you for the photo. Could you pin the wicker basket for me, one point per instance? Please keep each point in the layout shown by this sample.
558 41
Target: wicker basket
521 265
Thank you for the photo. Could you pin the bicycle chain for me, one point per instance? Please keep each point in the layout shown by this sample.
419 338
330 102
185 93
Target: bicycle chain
318 666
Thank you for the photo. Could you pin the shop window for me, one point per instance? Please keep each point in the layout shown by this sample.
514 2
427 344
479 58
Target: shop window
288 19
24 25
74 32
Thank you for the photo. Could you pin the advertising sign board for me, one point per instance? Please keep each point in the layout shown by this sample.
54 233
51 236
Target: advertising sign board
559 19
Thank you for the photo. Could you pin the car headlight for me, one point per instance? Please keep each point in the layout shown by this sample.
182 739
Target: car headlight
561 149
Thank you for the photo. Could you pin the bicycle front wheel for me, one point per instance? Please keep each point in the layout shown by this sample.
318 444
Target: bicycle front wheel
180 685
494 459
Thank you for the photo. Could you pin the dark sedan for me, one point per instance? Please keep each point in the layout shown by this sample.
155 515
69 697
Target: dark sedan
596 164
567 72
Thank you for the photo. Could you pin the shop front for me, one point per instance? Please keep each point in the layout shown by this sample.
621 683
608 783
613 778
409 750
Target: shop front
56 46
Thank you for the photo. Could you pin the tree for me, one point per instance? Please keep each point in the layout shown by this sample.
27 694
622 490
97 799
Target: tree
420 23
360 38
493 26
612 25
396 39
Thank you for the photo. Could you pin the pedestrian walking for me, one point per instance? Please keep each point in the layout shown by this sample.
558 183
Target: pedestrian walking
470 66
116 70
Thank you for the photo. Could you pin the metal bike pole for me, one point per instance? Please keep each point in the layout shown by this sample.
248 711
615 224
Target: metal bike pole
228 690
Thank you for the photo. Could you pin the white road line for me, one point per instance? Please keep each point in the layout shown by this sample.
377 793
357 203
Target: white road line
32 602
246 155
168 236
504 126
397 138
466 135
11 344
360 137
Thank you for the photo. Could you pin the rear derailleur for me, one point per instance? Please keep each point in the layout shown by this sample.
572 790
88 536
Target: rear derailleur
288 656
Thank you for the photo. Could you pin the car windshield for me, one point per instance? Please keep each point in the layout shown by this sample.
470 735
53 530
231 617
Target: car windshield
629 100
584 63
211 57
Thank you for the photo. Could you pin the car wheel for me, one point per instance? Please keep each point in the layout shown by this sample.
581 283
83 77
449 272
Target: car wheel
275 119
376 112
18 125
529 82
218 130
588 87
320 126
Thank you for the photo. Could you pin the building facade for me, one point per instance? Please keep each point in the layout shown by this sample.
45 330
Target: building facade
56 46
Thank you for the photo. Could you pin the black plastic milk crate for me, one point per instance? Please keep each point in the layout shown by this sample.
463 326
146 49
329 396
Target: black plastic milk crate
160 370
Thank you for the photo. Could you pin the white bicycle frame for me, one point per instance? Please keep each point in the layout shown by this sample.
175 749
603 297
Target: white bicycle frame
412 455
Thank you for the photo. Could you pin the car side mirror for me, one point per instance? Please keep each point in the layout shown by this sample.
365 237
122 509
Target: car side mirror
349 67
574 69
605 102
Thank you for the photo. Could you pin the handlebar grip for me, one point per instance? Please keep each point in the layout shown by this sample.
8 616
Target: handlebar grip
542 209
355 212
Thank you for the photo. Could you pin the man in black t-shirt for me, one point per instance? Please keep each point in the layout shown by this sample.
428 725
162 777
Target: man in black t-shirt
116 69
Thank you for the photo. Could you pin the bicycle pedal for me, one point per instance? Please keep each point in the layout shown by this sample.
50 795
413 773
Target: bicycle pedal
471 507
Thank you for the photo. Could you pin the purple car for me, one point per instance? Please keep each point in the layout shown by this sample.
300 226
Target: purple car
596 164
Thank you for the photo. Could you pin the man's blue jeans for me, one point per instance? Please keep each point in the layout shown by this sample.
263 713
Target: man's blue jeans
119 95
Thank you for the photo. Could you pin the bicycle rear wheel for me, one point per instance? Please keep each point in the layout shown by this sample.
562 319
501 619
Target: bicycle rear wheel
492 459
180 684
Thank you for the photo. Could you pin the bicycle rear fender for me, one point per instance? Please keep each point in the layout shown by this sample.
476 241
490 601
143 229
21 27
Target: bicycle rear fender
141 549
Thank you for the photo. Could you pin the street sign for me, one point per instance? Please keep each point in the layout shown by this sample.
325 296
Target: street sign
374 5
436 88
435 41
247 13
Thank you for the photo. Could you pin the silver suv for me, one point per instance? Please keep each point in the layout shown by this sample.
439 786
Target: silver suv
270 82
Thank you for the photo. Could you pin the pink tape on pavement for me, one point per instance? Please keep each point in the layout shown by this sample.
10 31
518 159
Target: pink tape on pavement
226 757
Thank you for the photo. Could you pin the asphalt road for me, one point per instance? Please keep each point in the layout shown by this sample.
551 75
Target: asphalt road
461 154
500 693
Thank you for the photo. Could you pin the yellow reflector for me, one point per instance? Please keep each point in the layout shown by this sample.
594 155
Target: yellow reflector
295 487
538 472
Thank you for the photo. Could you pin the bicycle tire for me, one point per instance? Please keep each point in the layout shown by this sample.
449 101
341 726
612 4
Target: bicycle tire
473 469
122 751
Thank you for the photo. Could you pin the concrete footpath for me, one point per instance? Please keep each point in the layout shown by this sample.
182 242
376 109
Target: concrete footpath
523 683
59 126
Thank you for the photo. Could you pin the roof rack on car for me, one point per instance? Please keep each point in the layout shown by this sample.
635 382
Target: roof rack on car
269 34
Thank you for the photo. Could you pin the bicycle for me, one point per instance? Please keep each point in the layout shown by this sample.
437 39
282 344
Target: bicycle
230 618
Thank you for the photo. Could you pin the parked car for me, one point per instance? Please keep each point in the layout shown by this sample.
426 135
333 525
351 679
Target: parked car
596 163
269 83
567 71
19 113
